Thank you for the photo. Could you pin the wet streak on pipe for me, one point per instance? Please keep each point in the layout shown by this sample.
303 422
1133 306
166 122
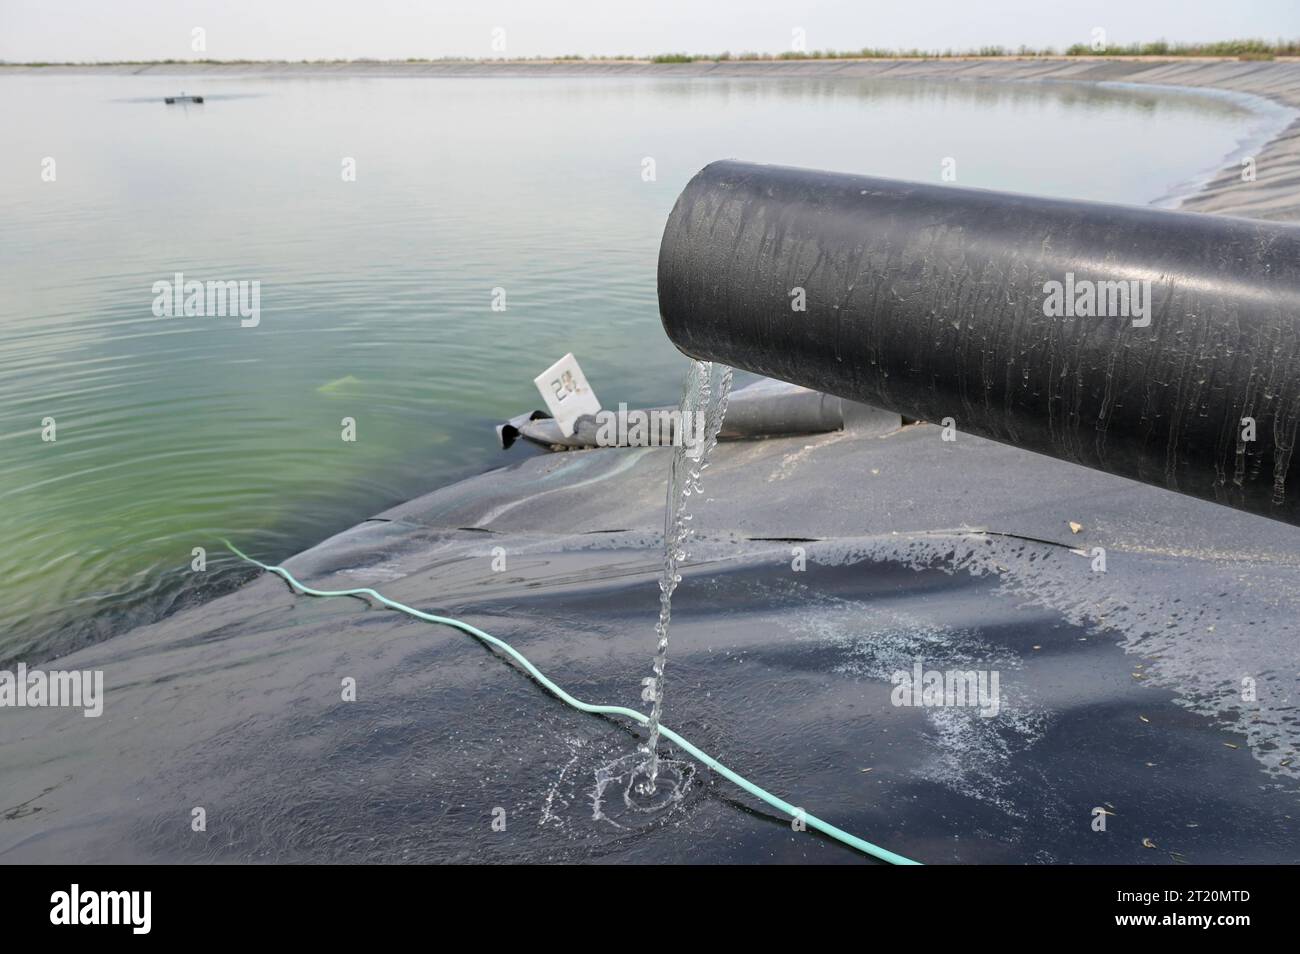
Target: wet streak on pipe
933 301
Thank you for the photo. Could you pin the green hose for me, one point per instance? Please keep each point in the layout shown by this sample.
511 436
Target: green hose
853 841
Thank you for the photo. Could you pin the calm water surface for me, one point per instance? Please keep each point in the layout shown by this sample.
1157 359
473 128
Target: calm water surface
376 294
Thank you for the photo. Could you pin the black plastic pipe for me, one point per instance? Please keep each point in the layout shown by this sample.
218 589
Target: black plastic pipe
939 302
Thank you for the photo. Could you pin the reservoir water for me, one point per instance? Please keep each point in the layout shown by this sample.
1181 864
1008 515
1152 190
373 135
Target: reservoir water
423 248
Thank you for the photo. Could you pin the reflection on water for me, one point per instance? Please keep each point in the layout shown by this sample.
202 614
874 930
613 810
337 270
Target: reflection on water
376 293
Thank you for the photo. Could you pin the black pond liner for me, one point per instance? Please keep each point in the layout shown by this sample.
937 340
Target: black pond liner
782 675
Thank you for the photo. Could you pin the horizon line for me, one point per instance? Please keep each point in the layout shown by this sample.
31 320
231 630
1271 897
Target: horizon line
1159 49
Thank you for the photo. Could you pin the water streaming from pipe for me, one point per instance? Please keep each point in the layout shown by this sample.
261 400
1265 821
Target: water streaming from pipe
706 391
649 784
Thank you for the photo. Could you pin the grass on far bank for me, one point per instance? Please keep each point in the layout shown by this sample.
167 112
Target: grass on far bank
1240 49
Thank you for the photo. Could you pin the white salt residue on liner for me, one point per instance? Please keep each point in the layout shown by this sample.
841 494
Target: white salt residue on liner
968 753
1204 624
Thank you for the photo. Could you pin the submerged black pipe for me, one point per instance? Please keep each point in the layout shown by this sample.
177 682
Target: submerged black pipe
939 302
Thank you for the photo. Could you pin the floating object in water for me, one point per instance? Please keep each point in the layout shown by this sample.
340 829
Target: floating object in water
763 409
566 392
985 307
182 98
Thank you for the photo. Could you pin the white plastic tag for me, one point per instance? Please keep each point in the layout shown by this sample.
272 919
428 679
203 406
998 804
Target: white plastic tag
566 392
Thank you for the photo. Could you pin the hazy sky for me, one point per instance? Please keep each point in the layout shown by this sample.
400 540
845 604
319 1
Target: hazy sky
394 29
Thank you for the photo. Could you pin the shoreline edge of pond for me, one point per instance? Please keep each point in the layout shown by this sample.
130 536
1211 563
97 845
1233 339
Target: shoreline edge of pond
1272 194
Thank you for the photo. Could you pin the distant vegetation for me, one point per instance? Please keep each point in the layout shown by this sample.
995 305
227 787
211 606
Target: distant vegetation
1241 49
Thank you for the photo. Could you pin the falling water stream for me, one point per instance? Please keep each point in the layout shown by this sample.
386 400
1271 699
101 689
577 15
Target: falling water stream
652 783
705 394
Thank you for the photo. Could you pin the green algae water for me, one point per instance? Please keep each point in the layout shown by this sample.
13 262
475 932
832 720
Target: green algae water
422 249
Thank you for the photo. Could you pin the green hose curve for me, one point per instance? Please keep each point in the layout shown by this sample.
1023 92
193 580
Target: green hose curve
826 828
